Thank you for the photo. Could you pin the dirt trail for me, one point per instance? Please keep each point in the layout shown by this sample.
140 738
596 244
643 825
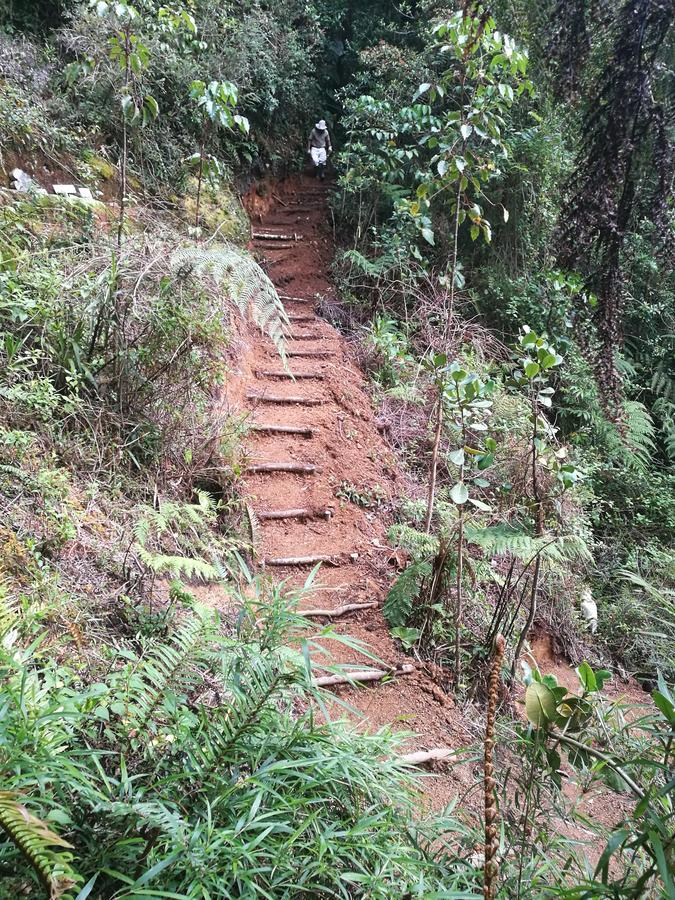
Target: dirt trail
336 440
338 435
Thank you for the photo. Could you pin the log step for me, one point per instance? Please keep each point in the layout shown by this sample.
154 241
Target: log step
276 236
302 318
273 398
302 336
297 468
284 429
291 376
272 515
310 354
300 560
309 560
337 611
287 298
359 676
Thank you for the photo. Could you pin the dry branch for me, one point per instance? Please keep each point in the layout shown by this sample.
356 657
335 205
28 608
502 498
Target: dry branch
338 611
366 675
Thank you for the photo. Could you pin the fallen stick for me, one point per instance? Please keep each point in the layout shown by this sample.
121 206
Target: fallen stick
338 611
273 398
285 429
291 376
279 200
273 514
301 560
440 754
367 675
298 468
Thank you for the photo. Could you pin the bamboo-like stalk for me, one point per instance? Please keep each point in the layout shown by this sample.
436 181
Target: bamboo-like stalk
491 869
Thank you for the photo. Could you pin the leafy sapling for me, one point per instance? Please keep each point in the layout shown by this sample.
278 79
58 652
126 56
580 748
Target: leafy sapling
216 108
536 357
464 400
131 58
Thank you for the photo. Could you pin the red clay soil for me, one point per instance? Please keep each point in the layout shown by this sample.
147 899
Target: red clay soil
345 446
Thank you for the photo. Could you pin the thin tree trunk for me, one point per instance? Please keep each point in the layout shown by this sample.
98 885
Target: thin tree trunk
434 462
123 162
200 176
539 531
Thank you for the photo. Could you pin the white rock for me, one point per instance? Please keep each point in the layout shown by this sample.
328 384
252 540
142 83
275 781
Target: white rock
64 189
86 193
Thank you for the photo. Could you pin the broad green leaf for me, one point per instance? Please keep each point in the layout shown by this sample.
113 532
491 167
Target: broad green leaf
587 677
457 457
466 131
460 493
531 369
539 704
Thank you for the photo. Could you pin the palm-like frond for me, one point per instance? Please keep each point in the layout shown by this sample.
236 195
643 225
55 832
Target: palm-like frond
247 286
36 841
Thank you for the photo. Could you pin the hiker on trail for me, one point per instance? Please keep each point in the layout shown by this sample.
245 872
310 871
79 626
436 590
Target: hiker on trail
319 148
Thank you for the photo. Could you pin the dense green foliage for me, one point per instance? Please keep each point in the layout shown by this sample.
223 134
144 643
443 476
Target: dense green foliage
501 207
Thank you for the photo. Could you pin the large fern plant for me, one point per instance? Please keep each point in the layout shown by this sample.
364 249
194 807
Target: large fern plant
243 283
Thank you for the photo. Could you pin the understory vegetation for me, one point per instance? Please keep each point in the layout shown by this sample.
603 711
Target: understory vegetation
503 213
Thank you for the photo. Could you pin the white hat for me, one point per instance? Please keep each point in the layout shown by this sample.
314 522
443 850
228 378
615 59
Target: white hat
321 125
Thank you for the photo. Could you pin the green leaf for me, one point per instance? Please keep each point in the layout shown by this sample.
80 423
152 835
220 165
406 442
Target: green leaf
531 369
460 493
428 235
466 131
480 505
664 705
485 461
475 231
587 677
540 704
457 457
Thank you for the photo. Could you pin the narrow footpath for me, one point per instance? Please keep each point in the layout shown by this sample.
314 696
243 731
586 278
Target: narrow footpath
314 443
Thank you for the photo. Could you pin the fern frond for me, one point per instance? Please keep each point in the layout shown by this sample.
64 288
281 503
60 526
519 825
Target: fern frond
169 667
253 683
254 526
179 566
496 540
639 433
418 544
247 286
403 593
35 841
